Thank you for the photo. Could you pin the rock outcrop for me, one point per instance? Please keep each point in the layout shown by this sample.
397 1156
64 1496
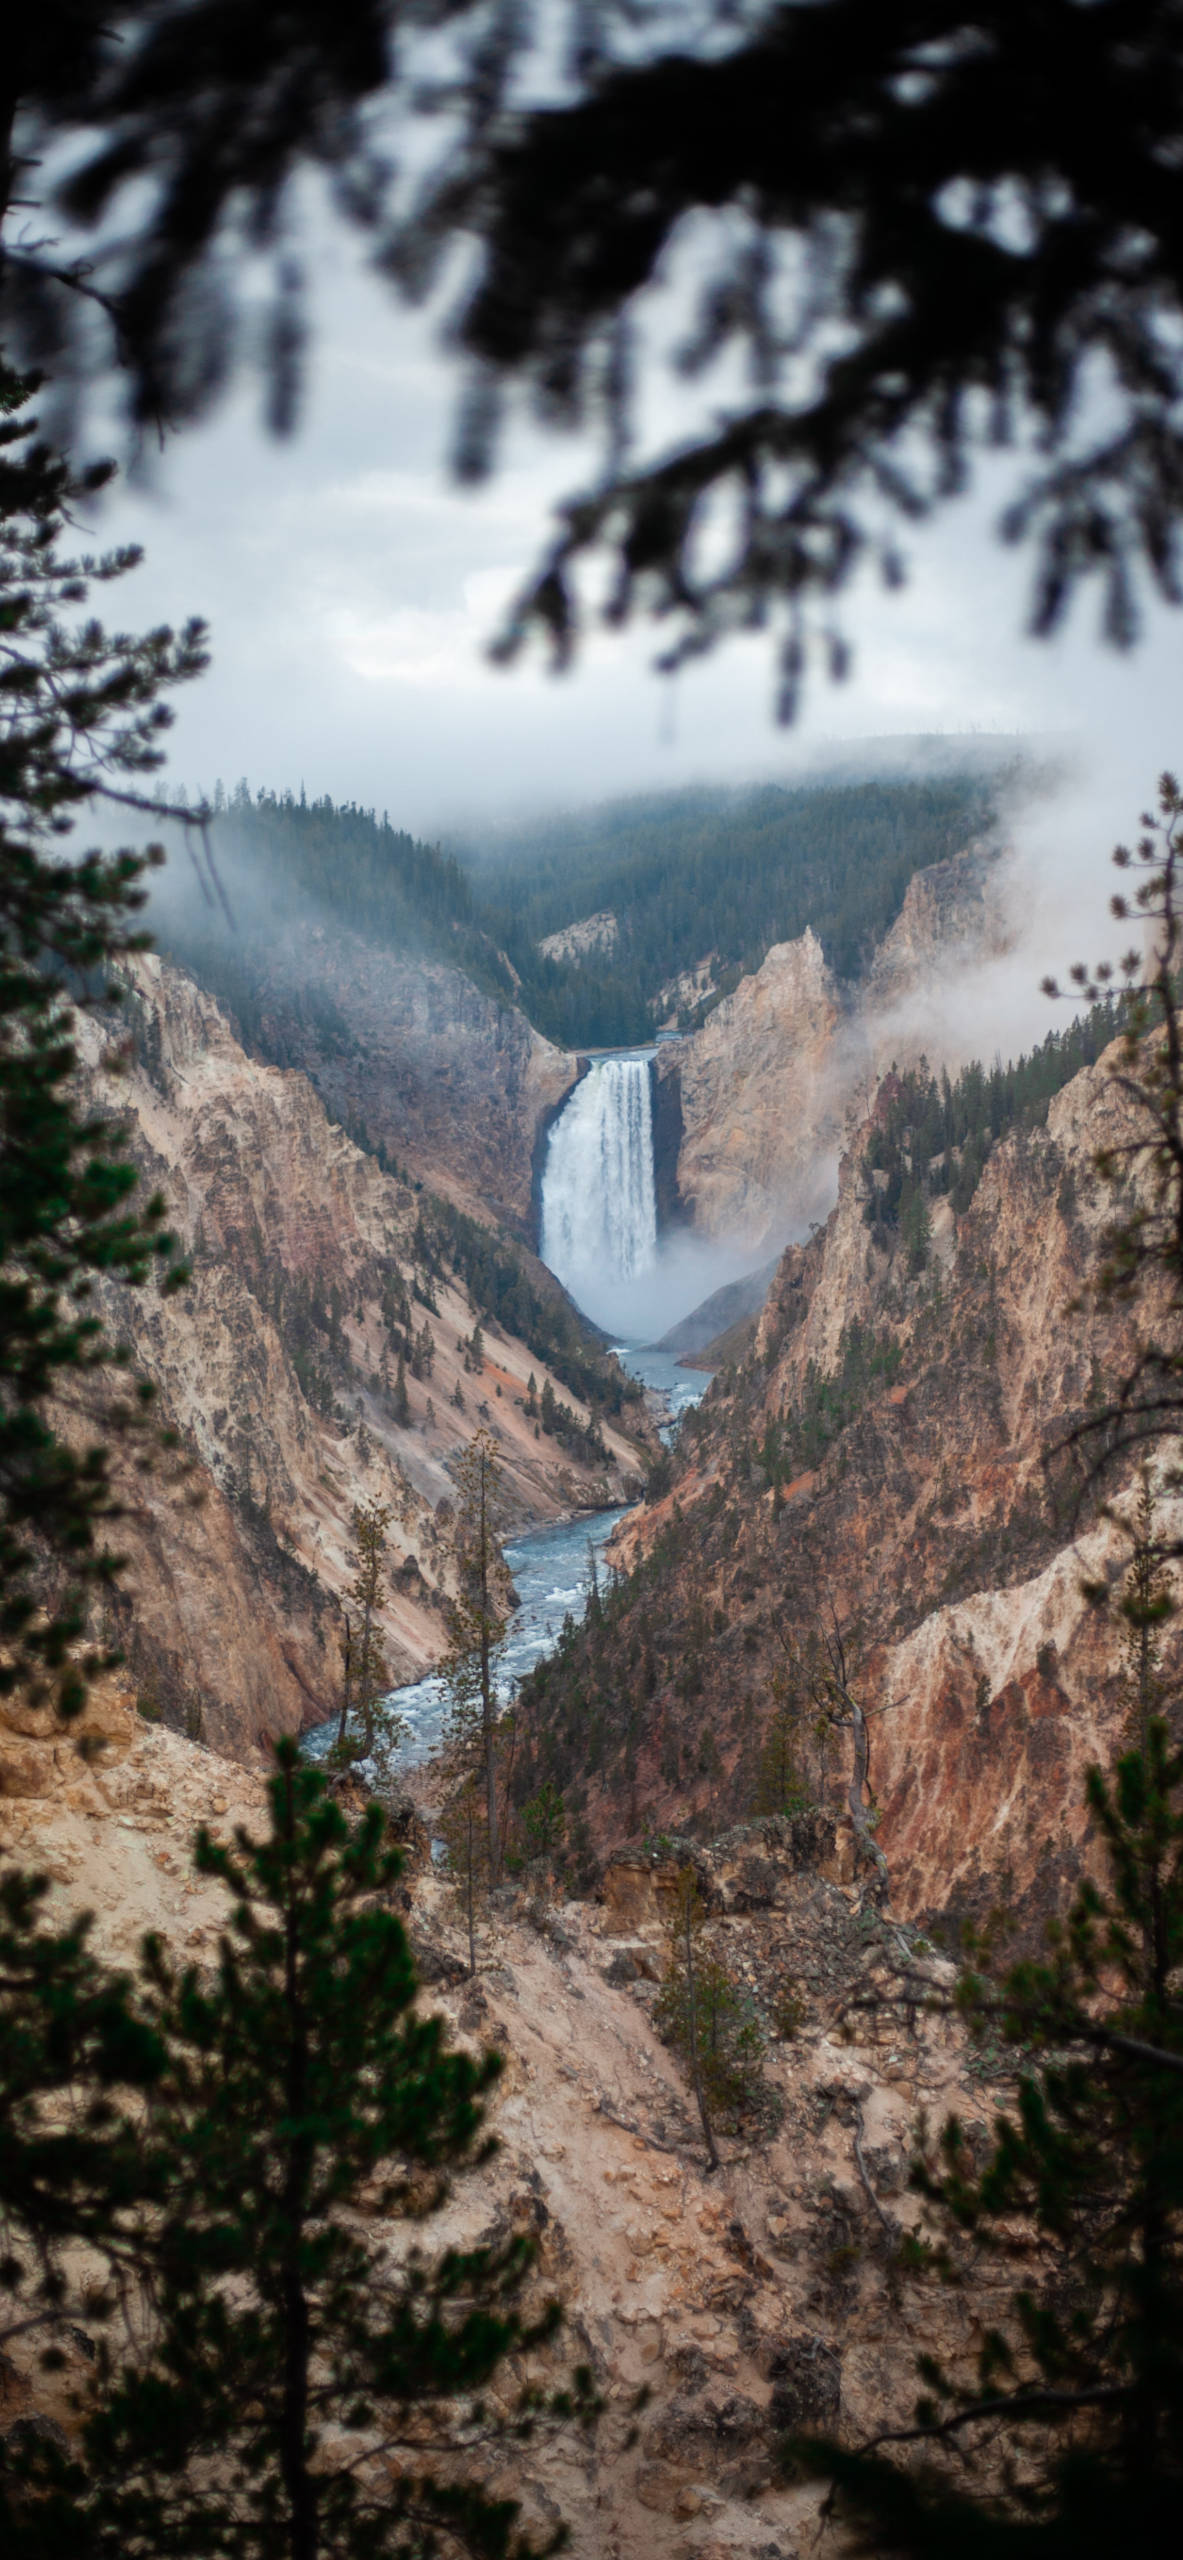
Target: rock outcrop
954 915
927 1525
761 1100
716 2312
772 1084
449 1080
276 1368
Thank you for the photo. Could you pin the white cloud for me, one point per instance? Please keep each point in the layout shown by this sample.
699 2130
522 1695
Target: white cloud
352 591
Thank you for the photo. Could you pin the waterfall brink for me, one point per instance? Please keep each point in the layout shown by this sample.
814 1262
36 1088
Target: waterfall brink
599 1208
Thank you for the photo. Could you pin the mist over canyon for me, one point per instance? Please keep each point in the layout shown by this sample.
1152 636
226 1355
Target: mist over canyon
765 1077
400 980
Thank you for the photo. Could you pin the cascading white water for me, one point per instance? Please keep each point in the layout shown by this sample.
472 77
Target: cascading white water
599 1208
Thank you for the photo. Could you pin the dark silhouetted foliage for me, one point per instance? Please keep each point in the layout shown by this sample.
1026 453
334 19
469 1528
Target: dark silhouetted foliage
923 234
82 721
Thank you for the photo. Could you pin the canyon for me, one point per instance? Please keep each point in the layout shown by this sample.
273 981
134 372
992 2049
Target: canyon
930 1528
276 1368
932 1511
323 1200
714 2311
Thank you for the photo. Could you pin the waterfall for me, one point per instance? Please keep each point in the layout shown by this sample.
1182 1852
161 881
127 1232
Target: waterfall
599 1210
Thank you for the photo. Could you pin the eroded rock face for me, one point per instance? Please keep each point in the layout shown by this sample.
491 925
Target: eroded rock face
41 1759
772 1084
953 913
231 1604
453 1082
716 2312
928 1527
759 1099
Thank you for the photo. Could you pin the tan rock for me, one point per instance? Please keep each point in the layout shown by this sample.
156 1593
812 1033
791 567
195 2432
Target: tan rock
760 1100
26 1768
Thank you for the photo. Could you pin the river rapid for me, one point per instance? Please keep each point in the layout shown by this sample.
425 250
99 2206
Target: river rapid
551 1571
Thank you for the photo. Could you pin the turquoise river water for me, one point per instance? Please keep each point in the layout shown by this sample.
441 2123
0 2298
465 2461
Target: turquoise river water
551 1572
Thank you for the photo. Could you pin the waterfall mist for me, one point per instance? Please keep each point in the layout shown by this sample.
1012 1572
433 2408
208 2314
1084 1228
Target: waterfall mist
599 1211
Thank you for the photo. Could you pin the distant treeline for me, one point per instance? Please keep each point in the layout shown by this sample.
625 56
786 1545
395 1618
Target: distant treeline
278 851
688 876
702 872
375 877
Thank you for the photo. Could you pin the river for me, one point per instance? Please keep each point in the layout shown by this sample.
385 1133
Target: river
551 1574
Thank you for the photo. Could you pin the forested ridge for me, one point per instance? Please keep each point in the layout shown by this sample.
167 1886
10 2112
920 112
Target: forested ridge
728 873
687 875
933 1134
349 867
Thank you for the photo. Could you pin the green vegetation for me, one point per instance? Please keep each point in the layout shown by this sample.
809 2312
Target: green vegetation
377 879
1077 2399
82 719
498 1281
370 1730
934 1134
687 875
867 1362
707 2018
251 2344
478 1617
343 865
701 872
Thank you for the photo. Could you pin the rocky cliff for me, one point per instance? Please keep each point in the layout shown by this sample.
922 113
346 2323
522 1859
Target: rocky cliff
925 1524
716 2312
277 1368
450 1081
780 1072
954 915
761 1099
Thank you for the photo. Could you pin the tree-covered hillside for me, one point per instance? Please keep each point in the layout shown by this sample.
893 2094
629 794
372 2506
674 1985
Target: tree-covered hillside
934 1134
687 875
345 865
703 872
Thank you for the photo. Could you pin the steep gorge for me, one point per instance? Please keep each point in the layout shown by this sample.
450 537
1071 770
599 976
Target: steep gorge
763 1092
926 1526
312 1269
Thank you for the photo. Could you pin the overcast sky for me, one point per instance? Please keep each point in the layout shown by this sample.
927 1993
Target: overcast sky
351 588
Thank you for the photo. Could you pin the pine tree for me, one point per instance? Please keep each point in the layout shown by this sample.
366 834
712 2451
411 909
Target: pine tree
915 1227
791 138
701 2012
369 1728
278 2414
477 1621
1075 2415
77 2059
82 722
462 1825
544 1823
780 1787
402 1401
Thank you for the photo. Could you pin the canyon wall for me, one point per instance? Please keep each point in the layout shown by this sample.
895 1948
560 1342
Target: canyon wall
276 1367
450 1081
714 2310
928 1527
763 1095
761 1099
